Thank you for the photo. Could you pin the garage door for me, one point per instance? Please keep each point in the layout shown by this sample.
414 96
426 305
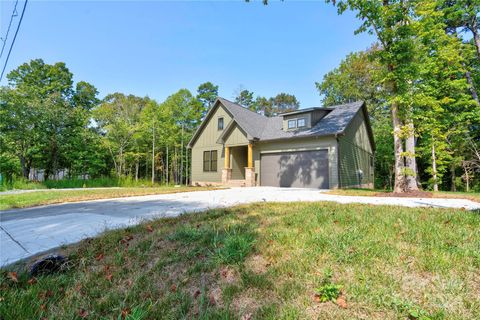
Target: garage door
301 169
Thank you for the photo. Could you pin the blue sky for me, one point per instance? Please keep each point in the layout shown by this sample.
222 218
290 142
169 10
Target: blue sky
155 48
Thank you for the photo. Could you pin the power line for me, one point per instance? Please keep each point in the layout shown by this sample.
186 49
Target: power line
14 38
14 14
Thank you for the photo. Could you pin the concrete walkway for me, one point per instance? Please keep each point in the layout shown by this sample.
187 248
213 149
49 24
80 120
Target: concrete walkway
25 232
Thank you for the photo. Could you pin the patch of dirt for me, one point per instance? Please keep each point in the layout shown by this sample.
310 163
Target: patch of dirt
258 264
410 194
229 275
247 302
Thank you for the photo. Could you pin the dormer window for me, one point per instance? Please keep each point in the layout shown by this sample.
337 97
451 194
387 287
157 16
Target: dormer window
292 124
220 124
301 122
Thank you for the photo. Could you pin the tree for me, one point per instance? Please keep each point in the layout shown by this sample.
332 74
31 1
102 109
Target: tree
262 105
118 118
245 98
180 114
358 78
207 93
283 102
390 21
441 95
42 114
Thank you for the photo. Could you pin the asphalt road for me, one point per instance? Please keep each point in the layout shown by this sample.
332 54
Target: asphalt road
26 232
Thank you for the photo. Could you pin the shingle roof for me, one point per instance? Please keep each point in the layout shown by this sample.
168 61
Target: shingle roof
252 122
335 122
259 127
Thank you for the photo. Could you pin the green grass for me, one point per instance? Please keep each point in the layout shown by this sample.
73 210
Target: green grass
474 196
268 261
43 197
23 184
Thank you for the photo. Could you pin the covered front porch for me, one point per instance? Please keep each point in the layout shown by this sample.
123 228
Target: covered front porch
238 169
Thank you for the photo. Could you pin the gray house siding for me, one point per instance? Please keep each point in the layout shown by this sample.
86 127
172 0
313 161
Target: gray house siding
355 155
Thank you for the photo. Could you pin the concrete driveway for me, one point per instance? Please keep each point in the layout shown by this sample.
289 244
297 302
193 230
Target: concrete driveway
25 232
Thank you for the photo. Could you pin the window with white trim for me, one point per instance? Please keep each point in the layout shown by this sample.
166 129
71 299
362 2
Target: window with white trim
301 122
292 124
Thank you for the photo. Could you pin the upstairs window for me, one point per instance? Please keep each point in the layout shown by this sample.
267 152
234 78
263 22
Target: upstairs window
301 122
292 124
220 124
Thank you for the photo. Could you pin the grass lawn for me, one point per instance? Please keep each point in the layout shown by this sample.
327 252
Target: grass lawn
267 261
43 197
474 196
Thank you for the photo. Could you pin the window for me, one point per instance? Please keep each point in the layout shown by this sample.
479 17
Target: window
292 124
213 161
206 161
220 124
301 122
210 161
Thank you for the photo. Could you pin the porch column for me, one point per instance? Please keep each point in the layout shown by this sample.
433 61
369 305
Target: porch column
227 158
226 171
250 156
250 170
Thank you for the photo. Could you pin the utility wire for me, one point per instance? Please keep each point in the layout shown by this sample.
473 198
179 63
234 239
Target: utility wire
14 38
14 14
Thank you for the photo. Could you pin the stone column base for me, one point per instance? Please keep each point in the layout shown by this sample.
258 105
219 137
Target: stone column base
249 177
226 175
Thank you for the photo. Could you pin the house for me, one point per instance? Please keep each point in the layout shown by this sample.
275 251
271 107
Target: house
322 148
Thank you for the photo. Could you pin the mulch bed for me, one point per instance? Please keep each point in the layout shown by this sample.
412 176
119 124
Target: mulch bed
411 194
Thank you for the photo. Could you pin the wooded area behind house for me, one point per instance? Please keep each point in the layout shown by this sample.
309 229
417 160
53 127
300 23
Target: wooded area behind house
49 124
420 81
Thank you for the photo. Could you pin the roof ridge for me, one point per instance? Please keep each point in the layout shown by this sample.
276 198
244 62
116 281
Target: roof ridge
244 108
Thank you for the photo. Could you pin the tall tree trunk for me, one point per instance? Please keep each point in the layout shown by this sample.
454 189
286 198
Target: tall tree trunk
467 178
452 169
410 160
181 158
167 173
471 86
25 170
434 168
137 165
476 38
399 185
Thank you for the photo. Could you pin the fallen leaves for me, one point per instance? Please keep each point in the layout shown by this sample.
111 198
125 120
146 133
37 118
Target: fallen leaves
100 257
247 316
82 313
173 288
211 300
196 294
125 313
341 302
13 276
149 228
32 281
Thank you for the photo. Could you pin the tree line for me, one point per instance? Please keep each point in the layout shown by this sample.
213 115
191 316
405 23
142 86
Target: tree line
49 123
420 80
